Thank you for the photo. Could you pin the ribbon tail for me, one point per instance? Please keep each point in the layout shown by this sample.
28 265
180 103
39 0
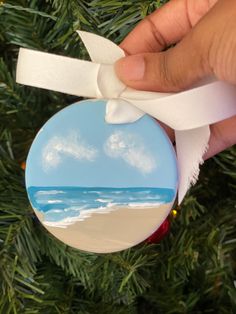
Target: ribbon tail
58 73
199 106
191 145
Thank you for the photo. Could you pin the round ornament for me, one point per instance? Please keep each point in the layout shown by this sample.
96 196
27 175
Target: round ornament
101 187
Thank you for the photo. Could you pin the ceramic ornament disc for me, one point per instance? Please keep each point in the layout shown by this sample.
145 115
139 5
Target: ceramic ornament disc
100 187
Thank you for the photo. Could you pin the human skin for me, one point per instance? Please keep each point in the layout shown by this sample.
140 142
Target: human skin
204 32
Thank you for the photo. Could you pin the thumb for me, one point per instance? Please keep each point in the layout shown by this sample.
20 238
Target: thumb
169 71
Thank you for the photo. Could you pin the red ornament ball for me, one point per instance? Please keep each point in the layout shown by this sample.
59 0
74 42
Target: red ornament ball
160 233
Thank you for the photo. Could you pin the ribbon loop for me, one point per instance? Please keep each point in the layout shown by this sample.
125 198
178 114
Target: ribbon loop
121 111
108 84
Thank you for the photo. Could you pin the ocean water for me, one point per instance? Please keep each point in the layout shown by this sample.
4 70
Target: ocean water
63 206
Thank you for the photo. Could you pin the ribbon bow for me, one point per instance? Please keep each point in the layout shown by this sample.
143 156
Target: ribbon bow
189 113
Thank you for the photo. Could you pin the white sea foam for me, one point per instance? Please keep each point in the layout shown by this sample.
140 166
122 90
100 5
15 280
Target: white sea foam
134 205
84 214
87 213
75 208
101 200
54 201
49 192
61 224
131 198
55 211
92 192
144 192
49 201
152 198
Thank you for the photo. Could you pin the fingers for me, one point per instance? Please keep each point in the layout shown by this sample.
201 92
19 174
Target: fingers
172 70
223 135
207 49
165 26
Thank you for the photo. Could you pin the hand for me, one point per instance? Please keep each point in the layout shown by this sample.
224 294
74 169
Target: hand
205 33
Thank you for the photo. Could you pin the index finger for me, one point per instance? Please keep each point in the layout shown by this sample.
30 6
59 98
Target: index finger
165 26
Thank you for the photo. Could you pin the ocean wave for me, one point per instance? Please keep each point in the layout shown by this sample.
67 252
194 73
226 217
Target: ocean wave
92 192
49 192
74 208
62 206
135 205
64 223
52 211
87 213
54 201
50 201
101 200
84 214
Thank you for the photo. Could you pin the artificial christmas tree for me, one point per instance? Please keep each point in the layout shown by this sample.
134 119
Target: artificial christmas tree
192 270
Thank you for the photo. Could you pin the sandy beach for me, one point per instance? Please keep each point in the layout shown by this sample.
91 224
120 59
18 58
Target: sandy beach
116 230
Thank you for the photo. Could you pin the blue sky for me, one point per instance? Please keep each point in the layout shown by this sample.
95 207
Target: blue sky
77 148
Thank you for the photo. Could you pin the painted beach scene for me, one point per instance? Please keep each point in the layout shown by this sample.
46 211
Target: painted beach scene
100 187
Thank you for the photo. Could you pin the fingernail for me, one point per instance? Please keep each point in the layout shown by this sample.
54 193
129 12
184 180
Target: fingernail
131 68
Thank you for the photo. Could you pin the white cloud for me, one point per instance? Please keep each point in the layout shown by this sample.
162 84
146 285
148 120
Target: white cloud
72 146
131 149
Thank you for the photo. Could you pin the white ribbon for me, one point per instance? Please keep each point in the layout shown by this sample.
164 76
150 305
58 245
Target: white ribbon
189 113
